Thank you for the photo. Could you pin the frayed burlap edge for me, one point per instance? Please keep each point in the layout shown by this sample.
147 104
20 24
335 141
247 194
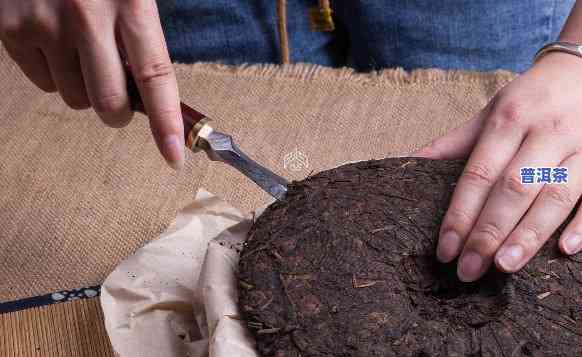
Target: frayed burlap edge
386 77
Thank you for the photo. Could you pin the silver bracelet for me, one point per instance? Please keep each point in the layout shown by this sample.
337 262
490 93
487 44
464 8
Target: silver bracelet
561 46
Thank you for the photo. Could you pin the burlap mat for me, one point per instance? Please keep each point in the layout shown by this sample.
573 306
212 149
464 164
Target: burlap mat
77 197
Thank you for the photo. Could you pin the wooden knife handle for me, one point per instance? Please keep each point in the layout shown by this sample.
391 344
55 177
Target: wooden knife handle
192 119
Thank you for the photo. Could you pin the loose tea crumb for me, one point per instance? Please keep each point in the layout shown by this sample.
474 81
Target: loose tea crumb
345 266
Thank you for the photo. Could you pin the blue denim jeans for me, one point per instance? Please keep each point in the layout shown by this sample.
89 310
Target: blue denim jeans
479 35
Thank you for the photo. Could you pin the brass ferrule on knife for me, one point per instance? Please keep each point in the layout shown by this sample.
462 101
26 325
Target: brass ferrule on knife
193 141
196 125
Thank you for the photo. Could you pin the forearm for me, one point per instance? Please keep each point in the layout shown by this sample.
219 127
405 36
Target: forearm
572 30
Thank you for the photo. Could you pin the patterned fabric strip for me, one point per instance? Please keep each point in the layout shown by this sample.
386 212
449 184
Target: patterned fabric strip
48 299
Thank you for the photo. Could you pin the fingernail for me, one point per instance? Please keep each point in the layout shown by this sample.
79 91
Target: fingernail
448 246
174 152
470 267
510 258
572 243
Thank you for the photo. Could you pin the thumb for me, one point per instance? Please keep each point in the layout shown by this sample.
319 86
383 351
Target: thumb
456 144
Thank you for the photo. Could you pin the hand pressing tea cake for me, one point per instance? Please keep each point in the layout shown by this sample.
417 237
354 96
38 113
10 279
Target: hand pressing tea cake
345 265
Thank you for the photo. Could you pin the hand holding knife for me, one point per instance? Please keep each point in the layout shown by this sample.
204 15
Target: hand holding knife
200 136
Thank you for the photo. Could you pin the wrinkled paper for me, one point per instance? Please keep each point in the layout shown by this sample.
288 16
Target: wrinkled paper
177 296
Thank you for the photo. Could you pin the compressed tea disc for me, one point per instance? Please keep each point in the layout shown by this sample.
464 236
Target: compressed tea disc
345 266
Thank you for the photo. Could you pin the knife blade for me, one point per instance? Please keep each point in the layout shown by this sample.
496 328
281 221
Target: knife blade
200 136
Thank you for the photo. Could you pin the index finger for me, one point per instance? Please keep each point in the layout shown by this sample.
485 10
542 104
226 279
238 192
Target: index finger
143 40
494 149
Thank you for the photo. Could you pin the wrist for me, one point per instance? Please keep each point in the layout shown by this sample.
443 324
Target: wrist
562 62
570 36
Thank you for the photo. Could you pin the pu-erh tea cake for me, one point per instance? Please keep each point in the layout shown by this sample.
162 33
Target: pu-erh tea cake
345 265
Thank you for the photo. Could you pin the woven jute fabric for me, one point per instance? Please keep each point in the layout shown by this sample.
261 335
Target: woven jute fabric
76 197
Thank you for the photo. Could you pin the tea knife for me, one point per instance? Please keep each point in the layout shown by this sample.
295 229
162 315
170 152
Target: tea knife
200 136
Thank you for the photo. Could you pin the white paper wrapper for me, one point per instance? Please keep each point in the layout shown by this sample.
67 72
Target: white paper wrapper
177 296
